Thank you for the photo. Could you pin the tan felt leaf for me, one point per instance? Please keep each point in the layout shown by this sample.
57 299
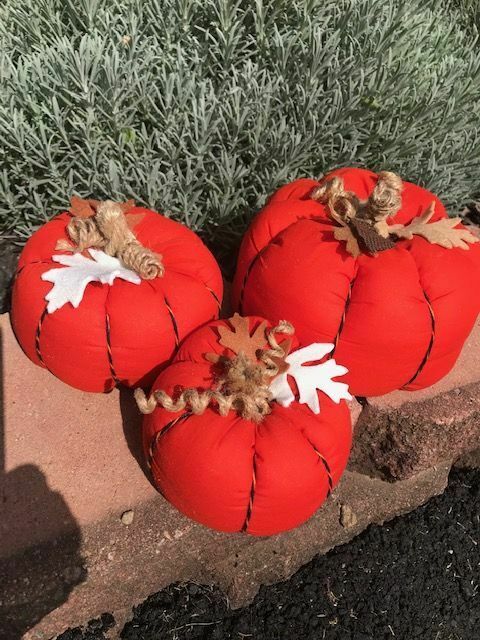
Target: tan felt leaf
133 219
136 218
238 338
81 208
129 204
344 234
212 357
442 232
286 345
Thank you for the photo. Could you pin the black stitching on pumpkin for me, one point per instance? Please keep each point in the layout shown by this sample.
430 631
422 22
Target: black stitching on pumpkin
215 297
247 274
20 269
109 351
430 345
151 449
253 262
342 319
174 322
37 337
252 496
325 464
162 432
327 469
329 473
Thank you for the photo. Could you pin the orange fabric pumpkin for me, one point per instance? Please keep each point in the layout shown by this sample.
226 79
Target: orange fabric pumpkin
398 318
120 333
233 474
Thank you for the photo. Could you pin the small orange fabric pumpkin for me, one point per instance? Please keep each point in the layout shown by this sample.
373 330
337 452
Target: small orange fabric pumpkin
122 332
259 473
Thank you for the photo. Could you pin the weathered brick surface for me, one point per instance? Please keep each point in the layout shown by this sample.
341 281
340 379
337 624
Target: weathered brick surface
399 443
403 433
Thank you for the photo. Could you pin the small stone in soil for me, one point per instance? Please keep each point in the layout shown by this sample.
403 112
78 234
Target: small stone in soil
127 517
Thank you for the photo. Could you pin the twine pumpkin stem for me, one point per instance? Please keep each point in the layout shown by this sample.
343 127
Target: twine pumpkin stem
108 230
242 386
384 201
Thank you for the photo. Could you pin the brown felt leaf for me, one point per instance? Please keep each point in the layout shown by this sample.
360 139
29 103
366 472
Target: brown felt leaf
279 361
136 218
368 237
442 232
129 204
213 357
345 234
133 219
81 208
238 338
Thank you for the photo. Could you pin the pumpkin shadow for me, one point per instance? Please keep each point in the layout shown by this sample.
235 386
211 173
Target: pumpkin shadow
36 579
132 421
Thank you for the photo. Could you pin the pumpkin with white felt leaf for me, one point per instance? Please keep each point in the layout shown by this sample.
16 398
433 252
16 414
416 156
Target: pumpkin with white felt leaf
244 431
105 292
370 263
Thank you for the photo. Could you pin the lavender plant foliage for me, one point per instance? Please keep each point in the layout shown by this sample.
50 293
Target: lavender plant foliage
200 108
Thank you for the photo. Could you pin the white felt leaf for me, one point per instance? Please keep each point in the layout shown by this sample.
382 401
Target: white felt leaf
311 378
69 284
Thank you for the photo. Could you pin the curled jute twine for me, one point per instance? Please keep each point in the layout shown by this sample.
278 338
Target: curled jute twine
108 230
242 385
384 202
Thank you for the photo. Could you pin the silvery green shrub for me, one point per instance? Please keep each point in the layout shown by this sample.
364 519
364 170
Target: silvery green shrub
200 108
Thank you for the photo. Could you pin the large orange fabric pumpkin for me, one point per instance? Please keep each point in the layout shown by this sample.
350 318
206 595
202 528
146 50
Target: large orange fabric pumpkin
123 332
398 318
231 473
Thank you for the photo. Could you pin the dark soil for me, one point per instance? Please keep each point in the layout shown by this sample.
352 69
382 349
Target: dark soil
416 577
471 214
9 253
94 630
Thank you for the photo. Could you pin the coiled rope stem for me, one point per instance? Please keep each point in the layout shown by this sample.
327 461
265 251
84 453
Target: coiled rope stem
384 201
242 386
108 230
